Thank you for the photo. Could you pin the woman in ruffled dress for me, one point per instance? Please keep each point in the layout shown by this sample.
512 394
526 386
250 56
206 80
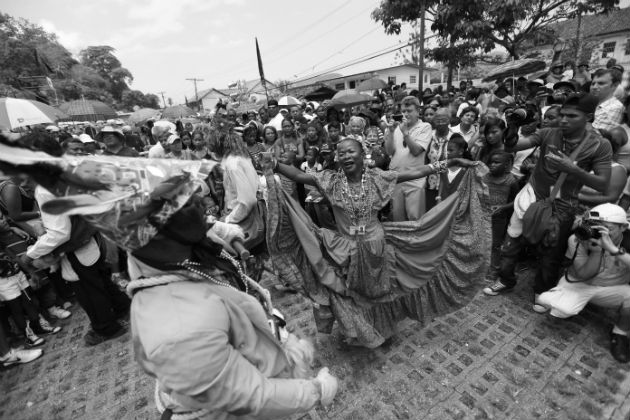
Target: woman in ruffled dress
369 275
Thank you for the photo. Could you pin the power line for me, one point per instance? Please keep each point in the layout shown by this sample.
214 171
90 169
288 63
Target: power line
195 80
292 37
337 52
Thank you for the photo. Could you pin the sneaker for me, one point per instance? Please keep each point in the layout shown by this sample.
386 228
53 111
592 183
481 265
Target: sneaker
59 313
620 347
15 356
92 338
32 340
496 288
45 327
538 307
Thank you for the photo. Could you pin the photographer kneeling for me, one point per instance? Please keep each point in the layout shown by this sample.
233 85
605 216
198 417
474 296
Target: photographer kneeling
599 274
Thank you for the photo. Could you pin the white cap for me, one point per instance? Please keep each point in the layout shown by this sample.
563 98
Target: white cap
172 138
608 212
85 138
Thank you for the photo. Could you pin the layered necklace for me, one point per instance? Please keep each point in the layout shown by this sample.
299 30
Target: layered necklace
357 202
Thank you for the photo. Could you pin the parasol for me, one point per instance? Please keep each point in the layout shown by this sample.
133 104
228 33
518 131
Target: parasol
90 110
515 68
371 84
350 100
288 101
177 111
22 112
142 115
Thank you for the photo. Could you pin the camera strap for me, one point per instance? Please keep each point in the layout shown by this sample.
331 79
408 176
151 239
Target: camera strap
563 175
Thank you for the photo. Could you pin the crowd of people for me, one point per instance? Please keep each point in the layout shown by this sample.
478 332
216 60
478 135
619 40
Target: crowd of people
401 207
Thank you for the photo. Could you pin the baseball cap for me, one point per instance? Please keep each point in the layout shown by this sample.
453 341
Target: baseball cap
581 101
272 102
608 212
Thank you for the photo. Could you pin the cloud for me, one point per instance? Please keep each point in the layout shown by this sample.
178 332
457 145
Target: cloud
71 40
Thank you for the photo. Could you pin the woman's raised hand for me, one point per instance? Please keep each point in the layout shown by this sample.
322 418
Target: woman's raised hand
465 163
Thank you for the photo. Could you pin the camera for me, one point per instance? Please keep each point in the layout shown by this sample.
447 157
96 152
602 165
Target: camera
587 229
521 115
397 117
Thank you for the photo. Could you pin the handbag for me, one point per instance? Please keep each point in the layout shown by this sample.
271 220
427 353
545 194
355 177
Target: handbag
540 220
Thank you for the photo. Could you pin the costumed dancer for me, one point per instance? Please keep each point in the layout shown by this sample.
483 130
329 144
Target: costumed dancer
197 321
368 275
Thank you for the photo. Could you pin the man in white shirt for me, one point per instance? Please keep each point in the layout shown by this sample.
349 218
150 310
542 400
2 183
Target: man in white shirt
407 143
83 265
609 111
275 117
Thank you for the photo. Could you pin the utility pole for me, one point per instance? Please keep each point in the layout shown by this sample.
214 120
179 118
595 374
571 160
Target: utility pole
423 5
195 80
163 101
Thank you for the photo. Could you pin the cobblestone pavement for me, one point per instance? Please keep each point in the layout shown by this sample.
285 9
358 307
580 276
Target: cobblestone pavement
494 359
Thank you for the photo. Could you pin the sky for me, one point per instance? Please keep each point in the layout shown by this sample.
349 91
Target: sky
165 42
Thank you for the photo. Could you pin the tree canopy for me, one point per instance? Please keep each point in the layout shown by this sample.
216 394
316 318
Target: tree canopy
466 28
30 55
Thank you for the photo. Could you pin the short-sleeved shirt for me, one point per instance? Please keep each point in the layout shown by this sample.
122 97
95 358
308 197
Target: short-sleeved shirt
402 159
501 190
595 155
608 114
612 271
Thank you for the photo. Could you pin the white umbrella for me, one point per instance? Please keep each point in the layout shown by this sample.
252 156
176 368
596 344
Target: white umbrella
22 112
288 101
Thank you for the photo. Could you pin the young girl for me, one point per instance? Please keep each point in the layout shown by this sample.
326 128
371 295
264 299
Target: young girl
310 166
502 188
449 181
492 141
199 150
375 156
250 135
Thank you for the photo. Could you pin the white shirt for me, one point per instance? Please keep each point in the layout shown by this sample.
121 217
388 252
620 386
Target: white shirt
402 159
276 122
157 151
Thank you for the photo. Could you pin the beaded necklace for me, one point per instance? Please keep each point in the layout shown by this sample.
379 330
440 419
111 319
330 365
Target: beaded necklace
357 204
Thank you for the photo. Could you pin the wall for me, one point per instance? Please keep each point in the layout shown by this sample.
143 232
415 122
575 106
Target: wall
619 54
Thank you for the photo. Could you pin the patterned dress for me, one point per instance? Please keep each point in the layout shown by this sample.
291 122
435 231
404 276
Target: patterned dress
368 282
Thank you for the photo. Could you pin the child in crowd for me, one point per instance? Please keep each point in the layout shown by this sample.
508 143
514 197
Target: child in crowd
310 166
334 134
492 140
17 295
502 188
449 181
376 156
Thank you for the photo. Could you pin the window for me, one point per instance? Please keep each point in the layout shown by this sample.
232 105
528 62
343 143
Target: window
412 80
627 47
352 84
609 48
391 79
340 86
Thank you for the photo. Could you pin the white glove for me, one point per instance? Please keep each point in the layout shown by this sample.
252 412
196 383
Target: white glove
225 233
328 385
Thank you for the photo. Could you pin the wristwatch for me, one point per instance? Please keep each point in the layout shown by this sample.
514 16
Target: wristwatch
620 251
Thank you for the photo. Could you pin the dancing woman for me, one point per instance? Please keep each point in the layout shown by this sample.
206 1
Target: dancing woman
368 275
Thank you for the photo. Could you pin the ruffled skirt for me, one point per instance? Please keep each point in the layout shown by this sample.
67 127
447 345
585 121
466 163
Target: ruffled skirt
420 270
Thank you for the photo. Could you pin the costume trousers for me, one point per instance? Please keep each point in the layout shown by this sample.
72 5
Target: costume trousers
549 257
98 296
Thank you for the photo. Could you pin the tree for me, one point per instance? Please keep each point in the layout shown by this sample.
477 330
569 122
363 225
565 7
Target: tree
507 23
482 25
102 59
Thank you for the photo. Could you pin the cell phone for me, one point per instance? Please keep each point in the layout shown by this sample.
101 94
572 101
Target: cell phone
397 117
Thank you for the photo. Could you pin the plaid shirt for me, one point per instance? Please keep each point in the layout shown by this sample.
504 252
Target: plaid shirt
608 114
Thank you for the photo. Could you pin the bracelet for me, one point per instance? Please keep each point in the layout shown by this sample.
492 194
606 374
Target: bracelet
439 166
